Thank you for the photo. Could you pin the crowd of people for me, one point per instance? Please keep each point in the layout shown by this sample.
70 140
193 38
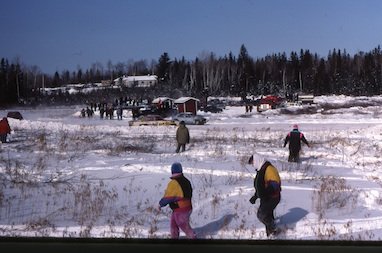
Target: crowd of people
108 110
267 182
178 194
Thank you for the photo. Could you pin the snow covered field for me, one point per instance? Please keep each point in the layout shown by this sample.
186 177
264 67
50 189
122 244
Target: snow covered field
66 176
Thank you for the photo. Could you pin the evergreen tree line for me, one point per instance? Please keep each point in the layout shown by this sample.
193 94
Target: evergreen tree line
207 74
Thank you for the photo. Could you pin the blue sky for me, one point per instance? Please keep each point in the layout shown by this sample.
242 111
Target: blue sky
59 35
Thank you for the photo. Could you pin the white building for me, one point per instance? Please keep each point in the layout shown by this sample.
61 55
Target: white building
137 81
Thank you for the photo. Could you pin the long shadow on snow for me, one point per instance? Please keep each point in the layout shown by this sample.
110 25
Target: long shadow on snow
290 219
213 227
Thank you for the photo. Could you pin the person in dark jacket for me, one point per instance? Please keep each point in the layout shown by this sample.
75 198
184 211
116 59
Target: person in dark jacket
267 184
101 111
5 129
182 137
178 196
119 112
294 139
83 112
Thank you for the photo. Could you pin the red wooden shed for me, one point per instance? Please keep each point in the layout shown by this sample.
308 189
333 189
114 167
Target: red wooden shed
163 102
187 104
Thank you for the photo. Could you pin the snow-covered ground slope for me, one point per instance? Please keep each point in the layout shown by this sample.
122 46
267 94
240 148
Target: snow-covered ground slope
66 176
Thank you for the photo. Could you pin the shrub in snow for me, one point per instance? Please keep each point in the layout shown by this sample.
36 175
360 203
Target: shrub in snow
333 192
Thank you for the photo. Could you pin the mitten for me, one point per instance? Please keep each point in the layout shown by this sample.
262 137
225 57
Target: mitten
253 199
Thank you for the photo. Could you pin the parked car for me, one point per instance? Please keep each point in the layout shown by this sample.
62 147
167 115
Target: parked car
263 107
15 115
151 120
218 103
189 118
212 108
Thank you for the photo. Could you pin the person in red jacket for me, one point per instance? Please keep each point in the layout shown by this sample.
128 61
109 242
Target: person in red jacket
5 129
294 139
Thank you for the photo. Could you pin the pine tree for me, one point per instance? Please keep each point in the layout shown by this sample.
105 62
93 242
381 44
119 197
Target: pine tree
163 67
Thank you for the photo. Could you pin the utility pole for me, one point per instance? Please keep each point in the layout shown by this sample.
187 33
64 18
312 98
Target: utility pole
17 86
284 81
299 76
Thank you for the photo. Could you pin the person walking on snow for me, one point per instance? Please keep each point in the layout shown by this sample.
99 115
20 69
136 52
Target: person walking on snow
267 184
178 196
5 129
182 137
119 112
294 139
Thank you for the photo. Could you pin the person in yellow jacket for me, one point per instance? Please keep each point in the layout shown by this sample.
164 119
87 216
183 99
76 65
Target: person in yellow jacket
267 185
178 196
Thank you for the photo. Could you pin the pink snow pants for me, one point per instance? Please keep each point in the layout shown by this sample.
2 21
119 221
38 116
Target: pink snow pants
181 219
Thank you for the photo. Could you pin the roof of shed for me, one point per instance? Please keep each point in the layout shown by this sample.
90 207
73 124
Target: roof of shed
156 100
182 100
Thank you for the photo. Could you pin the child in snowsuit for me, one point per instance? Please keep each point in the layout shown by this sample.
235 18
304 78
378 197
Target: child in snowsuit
267 185
5 129
178 196
294 138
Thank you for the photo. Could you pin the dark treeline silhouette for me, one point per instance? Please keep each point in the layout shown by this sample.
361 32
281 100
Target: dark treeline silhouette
337 73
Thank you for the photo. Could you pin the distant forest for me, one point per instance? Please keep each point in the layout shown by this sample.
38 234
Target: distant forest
241 75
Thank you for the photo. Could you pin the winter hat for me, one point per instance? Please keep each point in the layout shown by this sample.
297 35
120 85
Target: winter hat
295 126
182 123
176 168
257 160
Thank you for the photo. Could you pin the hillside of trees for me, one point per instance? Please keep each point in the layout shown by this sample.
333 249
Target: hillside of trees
304 71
